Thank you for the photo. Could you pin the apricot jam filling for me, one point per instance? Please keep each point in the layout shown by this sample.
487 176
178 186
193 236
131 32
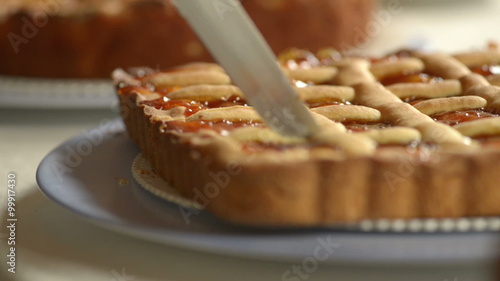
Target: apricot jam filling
296 58
192 107
221 126
413 100
315 104
489 141
253 147
357 127
456 117
410 78
486 70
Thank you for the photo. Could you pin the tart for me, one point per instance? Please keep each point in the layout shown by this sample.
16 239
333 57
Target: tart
90 38
408 135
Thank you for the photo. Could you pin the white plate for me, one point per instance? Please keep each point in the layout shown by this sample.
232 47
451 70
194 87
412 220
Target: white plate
24 92
91 176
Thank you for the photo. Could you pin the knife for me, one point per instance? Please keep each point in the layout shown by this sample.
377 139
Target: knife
235 42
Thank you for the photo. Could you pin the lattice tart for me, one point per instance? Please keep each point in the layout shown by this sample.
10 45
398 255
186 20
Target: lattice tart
408 135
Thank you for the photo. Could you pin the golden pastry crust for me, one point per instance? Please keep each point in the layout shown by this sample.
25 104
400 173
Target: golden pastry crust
378 154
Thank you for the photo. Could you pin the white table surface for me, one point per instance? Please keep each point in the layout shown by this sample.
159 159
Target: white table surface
55 244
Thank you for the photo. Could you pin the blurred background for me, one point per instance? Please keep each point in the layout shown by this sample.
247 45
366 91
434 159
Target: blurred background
90 38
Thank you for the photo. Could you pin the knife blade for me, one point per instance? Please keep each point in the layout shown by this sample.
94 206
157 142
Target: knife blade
235 42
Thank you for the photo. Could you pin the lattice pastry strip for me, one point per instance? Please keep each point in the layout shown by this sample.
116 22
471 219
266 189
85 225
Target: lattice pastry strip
442 105
325 93
354 71
392 67
443 65
232 114
494 79
315 75
349 113
480 127
187 78
477 85
206 92
475 58
445 88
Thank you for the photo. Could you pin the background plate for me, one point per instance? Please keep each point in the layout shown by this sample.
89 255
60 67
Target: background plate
91 176
43 93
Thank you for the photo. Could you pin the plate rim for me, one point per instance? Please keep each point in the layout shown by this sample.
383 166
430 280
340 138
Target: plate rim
56 93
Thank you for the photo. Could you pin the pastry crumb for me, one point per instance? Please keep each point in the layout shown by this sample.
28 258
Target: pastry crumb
121 181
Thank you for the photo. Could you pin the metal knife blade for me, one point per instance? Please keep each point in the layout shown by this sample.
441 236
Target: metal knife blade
233 39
